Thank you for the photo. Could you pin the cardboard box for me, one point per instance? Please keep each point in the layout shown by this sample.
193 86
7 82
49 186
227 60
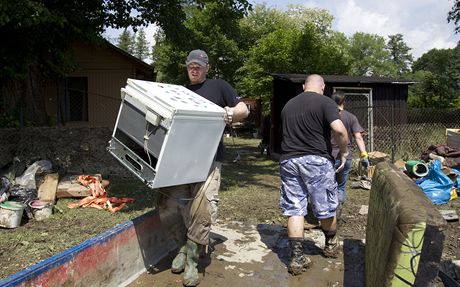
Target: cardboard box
453 137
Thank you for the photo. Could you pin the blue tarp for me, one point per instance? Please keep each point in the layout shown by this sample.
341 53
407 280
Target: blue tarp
437 185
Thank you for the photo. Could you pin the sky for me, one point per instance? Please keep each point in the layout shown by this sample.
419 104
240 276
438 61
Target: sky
422 23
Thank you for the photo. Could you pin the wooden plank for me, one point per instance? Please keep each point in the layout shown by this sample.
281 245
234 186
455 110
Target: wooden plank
47 190
69 187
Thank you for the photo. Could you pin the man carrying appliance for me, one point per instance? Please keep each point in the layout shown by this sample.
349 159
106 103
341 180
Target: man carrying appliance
307 167
197 202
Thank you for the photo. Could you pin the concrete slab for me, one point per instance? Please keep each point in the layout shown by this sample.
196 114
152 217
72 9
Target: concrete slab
257 255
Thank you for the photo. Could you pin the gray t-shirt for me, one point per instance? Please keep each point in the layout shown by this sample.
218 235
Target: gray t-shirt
352 125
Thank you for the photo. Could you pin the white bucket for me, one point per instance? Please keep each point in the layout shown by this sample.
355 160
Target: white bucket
41 209
11 214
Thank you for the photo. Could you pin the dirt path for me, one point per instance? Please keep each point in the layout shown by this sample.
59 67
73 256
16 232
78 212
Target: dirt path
257 255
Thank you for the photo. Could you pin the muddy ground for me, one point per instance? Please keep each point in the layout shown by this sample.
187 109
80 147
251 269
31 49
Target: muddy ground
249 194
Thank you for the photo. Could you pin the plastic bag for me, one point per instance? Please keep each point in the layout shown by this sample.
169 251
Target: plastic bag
24 195
437 186
27 179
4 187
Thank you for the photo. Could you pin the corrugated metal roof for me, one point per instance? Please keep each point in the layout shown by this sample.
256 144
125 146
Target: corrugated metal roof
300 78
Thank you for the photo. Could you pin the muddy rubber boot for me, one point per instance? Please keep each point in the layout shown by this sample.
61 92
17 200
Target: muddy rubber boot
191 277
178 263
299 261
332 246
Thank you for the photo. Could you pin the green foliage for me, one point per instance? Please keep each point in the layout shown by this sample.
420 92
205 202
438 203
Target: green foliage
438 71
212 27
454 15
400 54
126 41
320 18
141 48
370 56
296 41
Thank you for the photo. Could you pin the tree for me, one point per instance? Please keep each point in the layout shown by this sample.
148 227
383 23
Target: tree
438 70
454 15
320 18
399 53
212 27
126 41
370 56
141 48
41 32
287 47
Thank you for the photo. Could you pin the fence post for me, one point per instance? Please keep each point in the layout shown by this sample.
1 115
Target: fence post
393 145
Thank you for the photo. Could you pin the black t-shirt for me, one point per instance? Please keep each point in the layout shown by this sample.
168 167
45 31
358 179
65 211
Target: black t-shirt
305 121
222 94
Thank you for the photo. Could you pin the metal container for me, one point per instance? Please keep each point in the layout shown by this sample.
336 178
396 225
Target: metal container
166 134
11 214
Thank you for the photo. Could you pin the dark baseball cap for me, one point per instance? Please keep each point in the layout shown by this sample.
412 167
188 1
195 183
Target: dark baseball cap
197 56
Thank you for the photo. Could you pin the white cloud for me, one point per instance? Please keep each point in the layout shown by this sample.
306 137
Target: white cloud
352 18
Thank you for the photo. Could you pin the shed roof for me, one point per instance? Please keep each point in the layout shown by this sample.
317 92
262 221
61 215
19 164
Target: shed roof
128 55
300 78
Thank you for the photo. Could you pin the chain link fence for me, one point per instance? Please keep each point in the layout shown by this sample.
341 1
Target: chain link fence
404 133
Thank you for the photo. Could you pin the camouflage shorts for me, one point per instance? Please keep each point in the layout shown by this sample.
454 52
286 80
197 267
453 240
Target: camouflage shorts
308 178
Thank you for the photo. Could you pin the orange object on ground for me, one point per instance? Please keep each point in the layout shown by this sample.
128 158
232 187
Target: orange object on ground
98 198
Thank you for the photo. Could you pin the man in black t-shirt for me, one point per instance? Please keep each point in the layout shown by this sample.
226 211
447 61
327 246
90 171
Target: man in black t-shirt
306 167
198 202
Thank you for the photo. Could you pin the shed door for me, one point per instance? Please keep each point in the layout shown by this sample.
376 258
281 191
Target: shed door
74 99
359 102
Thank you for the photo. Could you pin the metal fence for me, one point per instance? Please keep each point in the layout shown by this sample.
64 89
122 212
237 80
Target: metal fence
404 133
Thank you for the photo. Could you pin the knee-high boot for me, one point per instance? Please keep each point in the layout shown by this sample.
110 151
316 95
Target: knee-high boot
178 263
191 277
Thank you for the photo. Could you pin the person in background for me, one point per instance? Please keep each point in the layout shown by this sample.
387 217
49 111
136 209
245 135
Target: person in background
198 202
307 167
354 130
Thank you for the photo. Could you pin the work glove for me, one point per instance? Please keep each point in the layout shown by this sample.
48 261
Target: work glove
364 160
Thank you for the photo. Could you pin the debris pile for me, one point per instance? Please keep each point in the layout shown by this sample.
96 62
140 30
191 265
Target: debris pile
437 173
32 192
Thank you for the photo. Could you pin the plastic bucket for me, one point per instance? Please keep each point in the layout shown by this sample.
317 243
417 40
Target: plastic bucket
417 168
11 214
41 209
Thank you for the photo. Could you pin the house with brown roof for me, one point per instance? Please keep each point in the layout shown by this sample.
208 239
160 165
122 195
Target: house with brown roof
90 96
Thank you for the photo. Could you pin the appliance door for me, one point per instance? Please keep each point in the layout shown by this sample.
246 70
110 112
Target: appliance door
136 142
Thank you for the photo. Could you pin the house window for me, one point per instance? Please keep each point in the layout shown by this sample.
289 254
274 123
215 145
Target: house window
74 101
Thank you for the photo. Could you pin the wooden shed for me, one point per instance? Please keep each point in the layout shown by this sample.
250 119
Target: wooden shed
364 95
90 96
